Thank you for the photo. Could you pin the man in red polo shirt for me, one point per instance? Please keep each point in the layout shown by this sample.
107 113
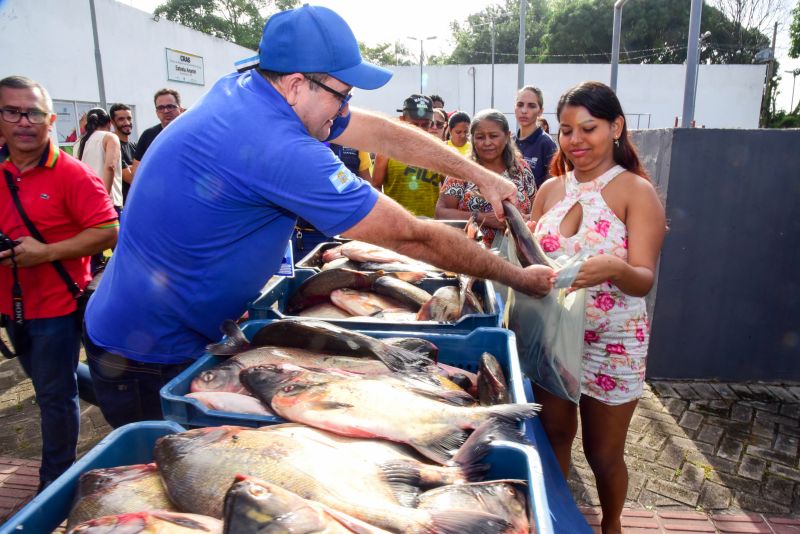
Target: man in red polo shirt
68 205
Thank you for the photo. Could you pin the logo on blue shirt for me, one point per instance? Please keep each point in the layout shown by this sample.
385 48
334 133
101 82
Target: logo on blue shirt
341 178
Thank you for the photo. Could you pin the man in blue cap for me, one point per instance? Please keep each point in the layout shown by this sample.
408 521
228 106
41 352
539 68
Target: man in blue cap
214 203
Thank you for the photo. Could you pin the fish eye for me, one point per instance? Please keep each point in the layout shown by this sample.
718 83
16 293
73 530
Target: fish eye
207 376
256 490
288 389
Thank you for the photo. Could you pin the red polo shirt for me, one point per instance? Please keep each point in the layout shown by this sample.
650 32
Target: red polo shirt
62 197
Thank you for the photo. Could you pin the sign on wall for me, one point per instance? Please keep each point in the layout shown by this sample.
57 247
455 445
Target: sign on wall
184 67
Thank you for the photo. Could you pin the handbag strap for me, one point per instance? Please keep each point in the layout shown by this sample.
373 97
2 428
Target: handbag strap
72 287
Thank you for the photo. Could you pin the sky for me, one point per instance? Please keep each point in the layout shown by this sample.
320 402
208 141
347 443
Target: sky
382 21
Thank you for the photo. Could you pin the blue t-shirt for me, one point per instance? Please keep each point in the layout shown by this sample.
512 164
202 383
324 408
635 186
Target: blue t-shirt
537 149
209 217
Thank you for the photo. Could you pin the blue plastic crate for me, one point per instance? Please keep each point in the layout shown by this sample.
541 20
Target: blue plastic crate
127 445
461 350
275 296
133 444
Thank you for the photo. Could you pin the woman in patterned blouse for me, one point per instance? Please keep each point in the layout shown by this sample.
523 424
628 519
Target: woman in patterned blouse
492 148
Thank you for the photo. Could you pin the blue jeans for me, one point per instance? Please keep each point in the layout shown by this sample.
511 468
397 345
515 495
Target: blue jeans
50 362
128 391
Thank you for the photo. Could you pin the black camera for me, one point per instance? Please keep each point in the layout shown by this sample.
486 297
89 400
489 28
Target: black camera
6 243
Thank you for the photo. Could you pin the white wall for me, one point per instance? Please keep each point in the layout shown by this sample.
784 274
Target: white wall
51 42
728 96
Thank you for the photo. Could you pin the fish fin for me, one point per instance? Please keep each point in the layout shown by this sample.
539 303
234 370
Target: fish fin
441 448
328 405
476 447
453 397
233 343
399 359
460 521
404 479
512 413
351 523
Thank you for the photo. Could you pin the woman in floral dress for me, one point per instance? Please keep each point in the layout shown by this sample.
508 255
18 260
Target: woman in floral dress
492 148
601 201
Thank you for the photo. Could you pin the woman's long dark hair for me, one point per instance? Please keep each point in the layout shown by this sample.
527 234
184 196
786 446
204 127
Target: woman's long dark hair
602 103
95 118
511 156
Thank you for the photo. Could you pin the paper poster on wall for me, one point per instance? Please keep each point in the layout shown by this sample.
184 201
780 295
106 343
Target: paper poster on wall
185 67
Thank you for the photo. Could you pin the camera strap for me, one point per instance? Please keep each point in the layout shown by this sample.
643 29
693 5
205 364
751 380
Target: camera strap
72 287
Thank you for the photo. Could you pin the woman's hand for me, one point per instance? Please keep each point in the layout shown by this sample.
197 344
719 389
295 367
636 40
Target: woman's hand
599 269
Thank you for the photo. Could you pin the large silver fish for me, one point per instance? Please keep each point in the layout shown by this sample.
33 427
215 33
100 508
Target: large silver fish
324 337
433 421
118 490
503 498
152 522
199 466
255 506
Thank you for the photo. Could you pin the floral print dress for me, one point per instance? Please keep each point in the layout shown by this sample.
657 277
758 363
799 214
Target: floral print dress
470 199
617 331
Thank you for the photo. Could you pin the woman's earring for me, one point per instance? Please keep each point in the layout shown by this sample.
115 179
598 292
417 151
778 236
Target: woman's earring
616 142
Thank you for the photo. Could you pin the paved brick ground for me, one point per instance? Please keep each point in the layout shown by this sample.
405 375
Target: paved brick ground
702 456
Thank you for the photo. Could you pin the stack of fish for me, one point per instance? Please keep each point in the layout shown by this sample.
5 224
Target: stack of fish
313 344
381 440
297 479
340 293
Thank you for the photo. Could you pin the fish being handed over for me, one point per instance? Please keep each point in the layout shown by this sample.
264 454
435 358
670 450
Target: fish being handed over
199 465
503 498
528 250
225 376
118 490
226 401
253 505
153 522
433 421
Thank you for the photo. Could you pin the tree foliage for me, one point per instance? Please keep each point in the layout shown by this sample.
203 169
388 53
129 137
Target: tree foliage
238 21
386 54
794 32
580 31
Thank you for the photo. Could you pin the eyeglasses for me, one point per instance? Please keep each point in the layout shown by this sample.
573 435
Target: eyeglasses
343 98
166 107
34 116
438 124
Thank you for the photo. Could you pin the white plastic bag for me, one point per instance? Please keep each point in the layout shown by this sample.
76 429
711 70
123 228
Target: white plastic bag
549 330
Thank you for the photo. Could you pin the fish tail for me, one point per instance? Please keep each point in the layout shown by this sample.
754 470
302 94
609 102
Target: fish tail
461 521
233 343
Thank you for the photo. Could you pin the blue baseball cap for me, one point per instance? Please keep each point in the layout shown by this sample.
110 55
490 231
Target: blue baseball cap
315 39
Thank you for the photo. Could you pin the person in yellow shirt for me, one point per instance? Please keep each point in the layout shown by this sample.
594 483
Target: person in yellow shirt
414 188
459 133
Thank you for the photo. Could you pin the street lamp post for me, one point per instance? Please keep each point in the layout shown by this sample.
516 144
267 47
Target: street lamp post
795 73
421 56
